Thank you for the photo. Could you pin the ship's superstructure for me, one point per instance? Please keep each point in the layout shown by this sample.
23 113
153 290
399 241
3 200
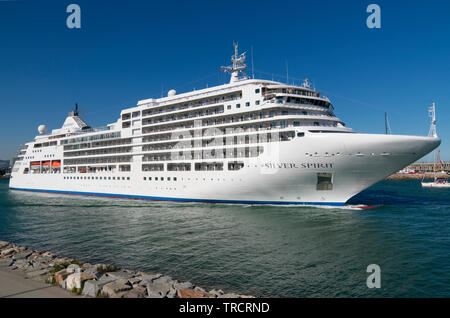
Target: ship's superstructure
248 141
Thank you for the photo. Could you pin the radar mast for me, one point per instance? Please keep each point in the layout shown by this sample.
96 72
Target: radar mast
238 65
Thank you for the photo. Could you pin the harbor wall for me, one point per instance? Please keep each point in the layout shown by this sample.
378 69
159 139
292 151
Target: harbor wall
98 280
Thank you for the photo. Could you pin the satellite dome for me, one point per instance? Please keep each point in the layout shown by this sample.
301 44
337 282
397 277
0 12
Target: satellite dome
172 92
42 129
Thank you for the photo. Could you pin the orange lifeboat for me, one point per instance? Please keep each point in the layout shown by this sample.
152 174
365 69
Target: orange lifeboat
56 163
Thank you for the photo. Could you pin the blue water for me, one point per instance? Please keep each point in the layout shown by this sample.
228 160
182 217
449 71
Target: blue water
267 251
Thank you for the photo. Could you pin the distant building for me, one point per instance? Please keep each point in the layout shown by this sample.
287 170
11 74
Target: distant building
429 167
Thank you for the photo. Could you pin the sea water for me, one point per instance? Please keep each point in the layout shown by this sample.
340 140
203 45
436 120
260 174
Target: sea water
265 251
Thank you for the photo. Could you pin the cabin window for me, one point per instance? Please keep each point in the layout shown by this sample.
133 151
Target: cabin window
235 165
247 104
238 105
324 181
229 107
257 102
126 124
257 91
301 134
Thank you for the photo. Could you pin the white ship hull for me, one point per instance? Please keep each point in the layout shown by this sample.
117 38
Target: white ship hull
287 176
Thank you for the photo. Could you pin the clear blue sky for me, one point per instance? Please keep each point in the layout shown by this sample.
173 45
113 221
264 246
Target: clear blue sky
131 50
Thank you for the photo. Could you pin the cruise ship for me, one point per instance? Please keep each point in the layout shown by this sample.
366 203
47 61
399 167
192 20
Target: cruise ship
250 141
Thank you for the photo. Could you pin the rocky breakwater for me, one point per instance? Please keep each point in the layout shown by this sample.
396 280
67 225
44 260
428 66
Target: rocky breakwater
98 280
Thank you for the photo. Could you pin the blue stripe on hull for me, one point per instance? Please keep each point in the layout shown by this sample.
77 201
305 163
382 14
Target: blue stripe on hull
140 197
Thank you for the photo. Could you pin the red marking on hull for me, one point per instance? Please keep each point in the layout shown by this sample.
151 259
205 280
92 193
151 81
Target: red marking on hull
368 207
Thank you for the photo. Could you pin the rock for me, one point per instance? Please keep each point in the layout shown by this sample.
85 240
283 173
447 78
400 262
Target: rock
48 255
22 264
61 260
38 265
23 255
232 295
86 266
183 285
146 279
115 289
91 269
35 257
197 288
215 293
76 280
191 293
134 281
172 293
161 285
105 268
152 294
106 278
3 244
8 251
137 292
119 275
73 281
61 276
93 287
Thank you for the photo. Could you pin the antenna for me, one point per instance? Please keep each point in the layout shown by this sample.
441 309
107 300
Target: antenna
386 124
238 65
306 83
253 69
432 115
287 73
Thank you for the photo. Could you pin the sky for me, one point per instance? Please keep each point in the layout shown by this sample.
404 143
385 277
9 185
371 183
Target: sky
130 50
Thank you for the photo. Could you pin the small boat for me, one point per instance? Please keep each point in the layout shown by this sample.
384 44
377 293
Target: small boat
437 183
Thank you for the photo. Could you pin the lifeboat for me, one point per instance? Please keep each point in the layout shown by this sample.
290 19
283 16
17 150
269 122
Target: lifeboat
46 163
56 163
35 163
